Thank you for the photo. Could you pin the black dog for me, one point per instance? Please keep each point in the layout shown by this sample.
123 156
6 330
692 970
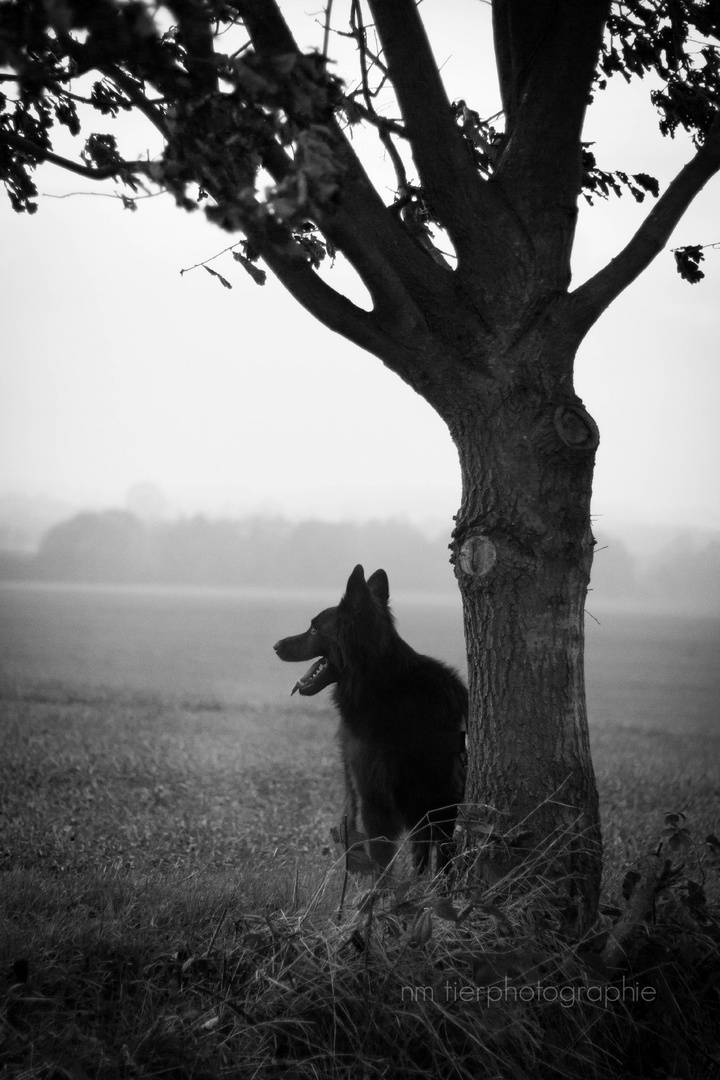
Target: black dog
402 717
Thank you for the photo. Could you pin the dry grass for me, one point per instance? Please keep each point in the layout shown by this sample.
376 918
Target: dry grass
196 976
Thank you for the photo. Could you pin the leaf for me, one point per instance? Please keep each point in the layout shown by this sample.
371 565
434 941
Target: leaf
221 279
680 840
695 894
629 882
445 909
648 183
687 261
259 277
393 926
101 152
408 907
713 843
422 928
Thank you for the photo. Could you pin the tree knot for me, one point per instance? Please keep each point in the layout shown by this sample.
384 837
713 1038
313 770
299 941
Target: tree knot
576 427
477 555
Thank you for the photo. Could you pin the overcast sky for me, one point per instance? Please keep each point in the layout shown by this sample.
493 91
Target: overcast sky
116 370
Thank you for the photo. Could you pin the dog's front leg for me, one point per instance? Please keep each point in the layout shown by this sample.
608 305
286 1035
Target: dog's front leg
382 826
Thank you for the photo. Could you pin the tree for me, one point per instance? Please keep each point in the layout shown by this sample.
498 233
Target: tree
487 334
110 546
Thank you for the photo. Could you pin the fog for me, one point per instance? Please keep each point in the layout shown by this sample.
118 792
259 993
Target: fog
677 571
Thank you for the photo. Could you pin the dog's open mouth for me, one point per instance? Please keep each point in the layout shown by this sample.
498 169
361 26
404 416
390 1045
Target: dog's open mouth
320 675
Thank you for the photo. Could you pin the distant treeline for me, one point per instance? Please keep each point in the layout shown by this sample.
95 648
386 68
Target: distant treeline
116 546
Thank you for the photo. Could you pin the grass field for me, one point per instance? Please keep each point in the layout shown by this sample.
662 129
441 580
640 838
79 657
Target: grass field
155 774
157 725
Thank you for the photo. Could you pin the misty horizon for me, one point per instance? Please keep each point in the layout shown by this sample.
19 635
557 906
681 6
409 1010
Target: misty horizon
26 516
675 569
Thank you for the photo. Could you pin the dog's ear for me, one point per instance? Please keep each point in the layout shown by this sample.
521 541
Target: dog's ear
379 586
356 591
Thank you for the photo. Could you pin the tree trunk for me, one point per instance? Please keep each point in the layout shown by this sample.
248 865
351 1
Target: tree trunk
522 549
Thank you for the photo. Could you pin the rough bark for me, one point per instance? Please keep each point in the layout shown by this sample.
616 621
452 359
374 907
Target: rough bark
523 551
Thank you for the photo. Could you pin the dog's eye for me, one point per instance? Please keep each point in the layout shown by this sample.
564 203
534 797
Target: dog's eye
313 630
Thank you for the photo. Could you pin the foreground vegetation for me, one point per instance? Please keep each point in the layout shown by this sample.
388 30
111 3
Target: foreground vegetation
173 905
136 977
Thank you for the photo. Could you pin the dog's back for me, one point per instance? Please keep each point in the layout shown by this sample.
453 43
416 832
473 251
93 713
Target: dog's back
402 717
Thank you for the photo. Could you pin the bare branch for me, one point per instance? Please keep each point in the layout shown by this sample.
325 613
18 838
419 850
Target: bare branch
443 159
289 264
395 271
394 155
211 258
547 53
374 118
369 112
360 35
590 299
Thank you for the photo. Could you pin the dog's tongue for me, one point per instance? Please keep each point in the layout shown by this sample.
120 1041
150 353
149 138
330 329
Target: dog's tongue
312 681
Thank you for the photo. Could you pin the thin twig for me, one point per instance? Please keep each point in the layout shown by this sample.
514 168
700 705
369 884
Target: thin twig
104 195
211 259
700 247
326 35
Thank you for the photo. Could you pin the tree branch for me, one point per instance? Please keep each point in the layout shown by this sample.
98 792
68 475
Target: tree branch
522 32
443 159
39 153
397 273
136 97
289 264
269 32
194 22
395 270
547 53
591 298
